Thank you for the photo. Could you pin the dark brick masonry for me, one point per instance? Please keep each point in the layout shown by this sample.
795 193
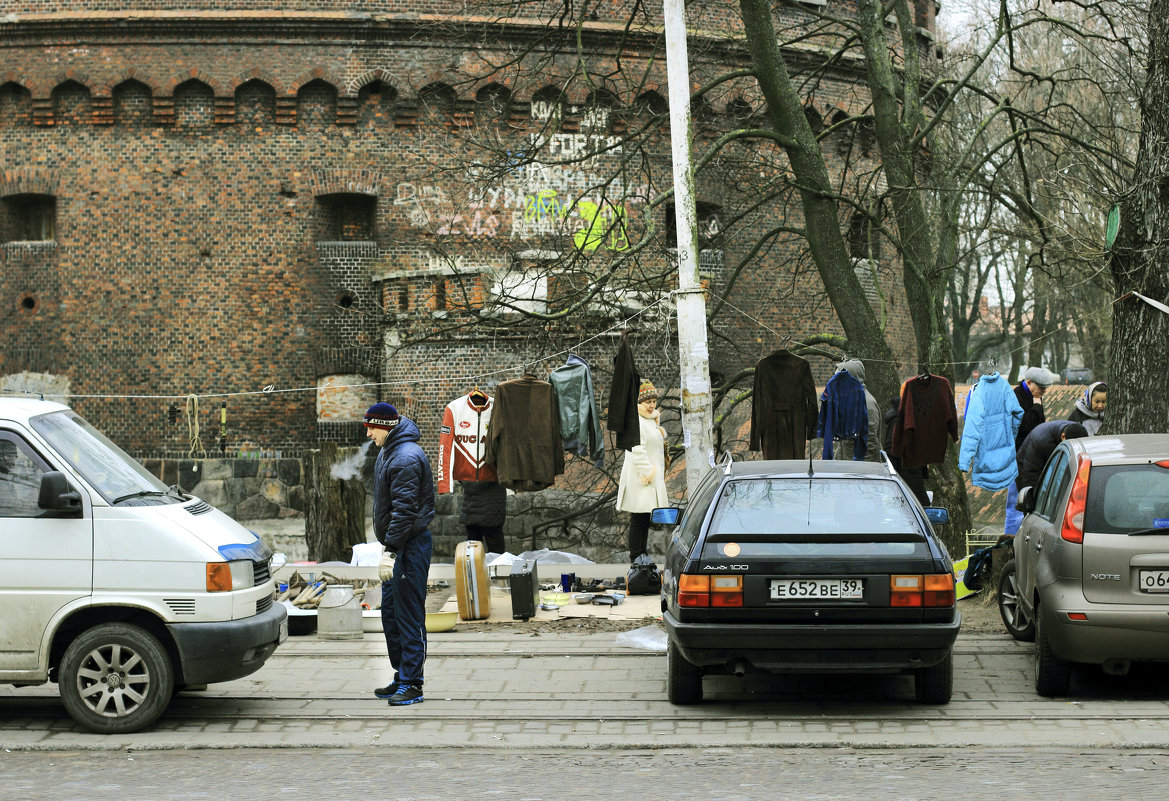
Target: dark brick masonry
204 198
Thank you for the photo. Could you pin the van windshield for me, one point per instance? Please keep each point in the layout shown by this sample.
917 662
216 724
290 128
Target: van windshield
103 465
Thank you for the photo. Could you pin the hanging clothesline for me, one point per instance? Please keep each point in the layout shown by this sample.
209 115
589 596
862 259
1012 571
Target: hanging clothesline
787 338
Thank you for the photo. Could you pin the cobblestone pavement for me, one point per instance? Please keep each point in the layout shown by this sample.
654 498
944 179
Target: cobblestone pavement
727 774
510 689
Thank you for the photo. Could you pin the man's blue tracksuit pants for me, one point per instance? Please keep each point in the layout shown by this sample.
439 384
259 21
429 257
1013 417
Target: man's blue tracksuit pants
404 609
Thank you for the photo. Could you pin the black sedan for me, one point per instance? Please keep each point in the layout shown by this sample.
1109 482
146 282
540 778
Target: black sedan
807 567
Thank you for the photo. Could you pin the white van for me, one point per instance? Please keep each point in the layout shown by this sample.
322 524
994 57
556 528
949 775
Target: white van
116 587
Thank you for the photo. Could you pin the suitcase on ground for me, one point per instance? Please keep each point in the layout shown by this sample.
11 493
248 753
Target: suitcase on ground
525 589
472 587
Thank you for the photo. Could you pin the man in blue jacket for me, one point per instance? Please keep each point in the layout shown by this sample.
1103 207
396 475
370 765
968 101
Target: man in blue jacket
403 506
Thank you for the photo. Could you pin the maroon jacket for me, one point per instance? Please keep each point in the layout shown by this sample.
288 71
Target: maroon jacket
925 417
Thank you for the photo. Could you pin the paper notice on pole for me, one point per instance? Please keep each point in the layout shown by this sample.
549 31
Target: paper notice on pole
685 438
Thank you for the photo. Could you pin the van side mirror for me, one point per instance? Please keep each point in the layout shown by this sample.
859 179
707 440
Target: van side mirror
937 515
1026 500
57 498
665 516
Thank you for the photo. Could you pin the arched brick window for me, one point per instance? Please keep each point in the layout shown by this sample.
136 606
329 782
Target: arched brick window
132 104
651 103
71 104
815 121
15 105
493 103
375 103
740 111
548 108
255 105
599 113
316 105
437 101
194 105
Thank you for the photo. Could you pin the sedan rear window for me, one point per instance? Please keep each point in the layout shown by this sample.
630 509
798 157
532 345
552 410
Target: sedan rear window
822 517
1124 498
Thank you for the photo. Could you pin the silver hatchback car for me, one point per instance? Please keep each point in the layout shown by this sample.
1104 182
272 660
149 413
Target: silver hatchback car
1090 577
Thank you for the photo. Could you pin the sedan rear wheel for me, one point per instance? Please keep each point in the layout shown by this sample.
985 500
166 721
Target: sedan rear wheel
1053 675
935 684
683 680
1015 618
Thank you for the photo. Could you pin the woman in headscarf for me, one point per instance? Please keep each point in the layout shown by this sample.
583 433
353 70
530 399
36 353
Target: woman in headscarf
642 486
1089 411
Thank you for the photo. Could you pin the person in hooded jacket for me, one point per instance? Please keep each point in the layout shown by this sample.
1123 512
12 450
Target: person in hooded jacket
843 448
1089 411
403 506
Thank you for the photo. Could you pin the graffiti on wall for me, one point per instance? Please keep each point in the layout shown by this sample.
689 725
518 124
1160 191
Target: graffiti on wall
534 198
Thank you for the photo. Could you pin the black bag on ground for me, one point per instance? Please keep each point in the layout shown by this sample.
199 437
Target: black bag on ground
644 578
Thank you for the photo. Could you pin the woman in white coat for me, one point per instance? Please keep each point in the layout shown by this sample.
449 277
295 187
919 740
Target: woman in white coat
642 486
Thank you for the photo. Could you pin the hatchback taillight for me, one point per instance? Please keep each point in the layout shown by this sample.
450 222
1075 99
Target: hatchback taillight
1072 529
933 590
705 591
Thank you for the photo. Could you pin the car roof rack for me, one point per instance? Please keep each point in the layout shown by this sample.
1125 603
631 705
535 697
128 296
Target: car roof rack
888 463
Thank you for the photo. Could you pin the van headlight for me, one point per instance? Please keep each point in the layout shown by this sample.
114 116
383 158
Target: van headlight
228 576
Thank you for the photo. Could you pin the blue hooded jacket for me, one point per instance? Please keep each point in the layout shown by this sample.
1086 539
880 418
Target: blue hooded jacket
988 435
403 488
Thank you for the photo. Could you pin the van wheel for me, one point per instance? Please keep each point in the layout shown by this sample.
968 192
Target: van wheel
116 678
1019 626
1053 676
683 680
935 685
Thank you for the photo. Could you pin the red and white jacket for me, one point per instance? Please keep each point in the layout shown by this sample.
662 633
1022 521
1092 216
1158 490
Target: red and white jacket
462 442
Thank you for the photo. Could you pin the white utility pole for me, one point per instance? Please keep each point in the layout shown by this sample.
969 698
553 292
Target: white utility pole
697 420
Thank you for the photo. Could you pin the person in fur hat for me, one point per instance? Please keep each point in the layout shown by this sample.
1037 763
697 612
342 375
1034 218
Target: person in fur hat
642 486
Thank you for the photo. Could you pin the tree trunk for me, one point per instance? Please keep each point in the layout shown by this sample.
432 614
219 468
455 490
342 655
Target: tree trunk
826 243
1138 381
334 508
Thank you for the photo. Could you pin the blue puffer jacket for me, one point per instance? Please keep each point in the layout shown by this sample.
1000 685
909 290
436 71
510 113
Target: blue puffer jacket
988 436
403 488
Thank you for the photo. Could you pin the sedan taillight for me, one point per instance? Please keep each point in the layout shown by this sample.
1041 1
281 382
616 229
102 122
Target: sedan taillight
1072 529
706 591
930 590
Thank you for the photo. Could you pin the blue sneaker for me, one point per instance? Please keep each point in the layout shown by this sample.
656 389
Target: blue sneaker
406 694
388 690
